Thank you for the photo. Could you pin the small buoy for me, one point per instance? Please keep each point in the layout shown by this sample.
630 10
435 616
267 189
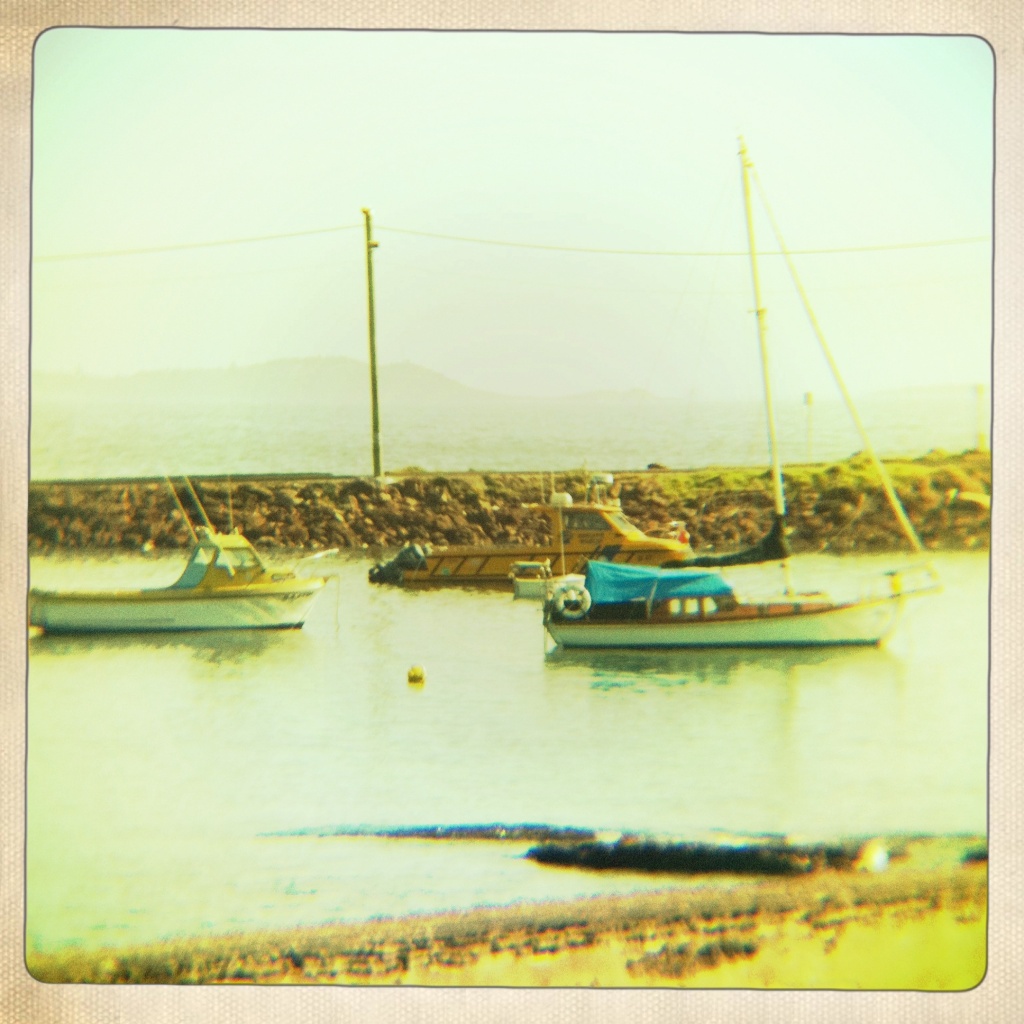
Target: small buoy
417 675
873 856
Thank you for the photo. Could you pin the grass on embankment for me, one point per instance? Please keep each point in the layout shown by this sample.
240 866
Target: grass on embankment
836 507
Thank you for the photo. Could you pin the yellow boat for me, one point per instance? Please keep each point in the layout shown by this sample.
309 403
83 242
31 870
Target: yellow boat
225 585
593 530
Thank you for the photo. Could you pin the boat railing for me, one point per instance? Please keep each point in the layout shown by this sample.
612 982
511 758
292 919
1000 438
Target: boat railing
303 563
902 581
597 488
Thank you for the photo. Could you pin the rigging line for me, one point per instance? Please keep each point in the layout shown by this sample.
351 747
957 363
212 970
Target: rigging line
59 257
199 504
711 292
887 485
177 501
685 287
686 252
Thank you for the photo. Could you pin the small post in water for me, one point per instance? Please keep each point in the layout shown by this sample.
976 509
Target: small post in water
374 413
979 391
809 402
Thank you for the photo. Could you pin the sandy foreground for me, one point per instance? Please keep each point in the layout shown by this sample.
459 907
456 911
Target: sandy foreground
918 924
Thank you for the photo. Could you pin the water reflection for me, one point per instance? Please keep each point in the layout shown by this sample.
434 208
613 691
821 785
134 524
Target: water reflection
219 647
608 669
166 755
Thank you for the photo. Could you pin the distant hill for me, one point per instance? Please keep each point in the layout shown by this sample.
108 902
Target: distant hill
315 379
340 384
318 380
305 415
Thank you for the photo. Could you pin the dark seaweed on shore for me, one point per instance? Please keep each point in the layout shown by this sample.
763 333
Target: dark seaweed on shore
525 833
706 925
695 858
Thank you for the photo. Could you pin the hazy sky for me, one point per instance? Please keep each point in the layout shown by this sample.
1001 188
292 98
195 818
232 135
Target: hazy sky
165 138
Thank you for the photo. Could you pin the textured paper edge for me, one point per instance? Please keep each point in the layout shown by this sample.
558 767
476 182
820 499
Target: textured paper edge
999 995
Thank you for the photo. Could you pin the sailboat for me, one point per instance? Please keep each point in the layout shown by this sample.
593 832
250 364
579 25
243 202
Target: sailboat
691 604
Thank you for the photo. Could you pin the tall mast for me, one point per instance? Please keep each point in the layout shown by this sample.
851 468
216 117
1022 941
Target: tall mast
374 412
869 448
773 445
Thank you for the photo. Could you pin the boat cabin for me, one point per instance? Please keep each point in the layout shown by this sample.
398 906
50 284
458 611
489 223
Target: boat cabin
221 560
687 589
576 534
599 528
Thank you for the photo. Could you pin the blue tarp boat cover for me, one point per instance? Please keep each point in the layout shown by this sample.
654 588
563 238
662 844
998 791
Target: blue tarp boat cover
609 583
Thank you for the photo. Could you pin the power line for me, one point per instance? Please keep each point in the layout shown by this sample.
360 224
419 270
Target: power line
63 257
189 245
684 252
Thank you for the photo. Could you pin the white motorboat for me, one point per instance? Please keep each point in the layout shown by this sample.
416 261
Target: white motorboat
533 581
225 585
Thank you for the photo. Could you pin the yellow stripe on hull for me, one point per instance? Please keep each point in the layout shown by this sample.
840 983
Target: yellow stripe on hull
482 565
261 607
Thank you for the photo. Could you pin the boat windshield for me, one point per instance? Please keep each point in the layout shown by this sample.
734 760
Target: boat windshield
621 523
234 559
586 521
195 571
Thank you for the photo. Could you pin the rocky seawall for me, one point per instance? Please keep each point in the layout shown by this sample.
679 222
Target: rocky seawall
835 507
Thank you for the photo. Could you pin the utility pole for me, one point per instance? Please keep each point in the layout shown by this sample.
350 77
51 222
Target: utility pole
374 411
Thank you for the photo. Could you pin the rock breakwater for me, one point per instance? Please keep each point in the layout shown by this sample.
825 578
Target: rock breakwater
837 507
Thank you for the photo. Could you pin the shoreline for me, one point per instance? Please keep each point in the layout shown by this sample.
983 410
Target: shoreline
835 507
921 923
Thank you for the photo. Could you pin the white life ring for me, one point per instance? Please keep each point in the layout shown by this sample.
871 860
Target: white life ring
572 601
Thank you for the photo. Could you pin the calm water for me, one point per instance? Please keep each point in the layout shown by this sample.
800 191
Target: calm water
78 442
159 766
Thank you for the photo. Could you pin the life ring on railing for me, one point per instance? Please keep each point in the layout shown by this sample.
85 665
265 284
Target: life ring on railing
572 601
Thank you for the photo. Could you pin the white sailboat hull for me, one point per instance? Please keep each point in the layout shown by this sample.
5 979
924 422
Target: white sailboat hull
148 611
839 625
